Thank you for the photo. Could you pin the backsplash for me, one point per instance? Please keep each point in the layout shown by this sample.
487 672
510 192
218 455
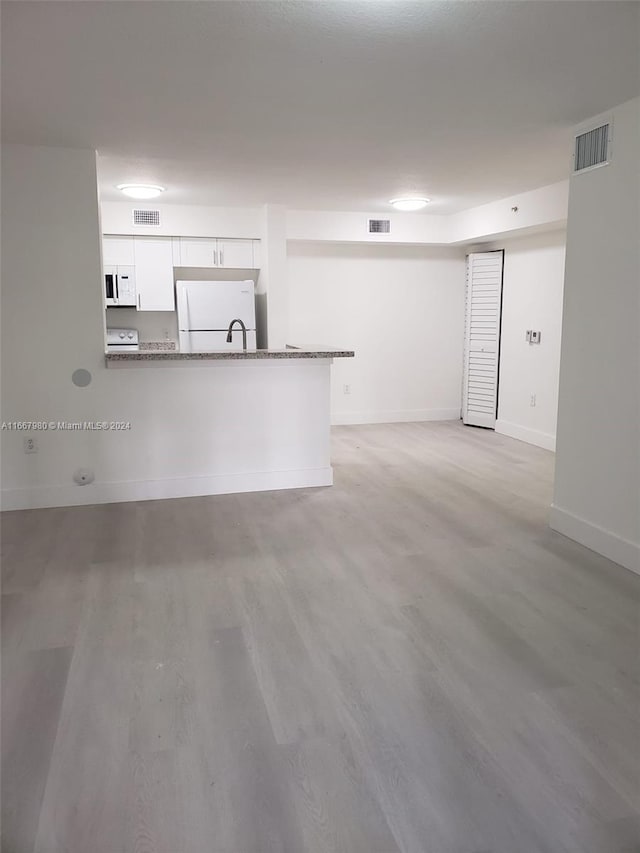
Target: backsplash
151 325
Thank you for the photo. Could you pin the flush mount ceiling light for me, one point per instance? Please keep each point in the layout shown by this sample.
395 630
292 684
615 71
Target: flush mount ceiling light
409 203
140 190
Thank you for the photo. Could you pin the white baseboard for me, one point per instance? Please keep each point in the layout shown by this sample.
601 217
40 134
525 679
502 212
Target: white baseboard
531 436
148 490
394 416
598 539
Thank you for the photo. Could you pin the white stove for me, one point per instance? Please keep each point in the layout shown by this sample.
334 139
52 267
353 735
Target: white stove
122 340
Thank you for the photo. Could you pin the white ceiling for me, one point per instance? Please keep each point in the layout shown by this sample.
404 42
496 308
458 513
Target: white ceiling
329 105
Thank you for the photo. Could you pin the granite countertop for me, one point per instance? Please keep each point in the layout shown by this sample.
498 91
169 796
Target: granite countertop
174 355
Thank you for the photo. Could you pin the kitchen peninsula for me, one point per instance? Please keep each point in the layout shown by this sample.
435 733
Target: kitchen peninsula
160 355
225 421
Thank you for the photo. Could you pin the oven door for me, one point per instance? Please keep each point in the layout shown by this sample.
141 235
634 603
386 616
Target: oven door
110 285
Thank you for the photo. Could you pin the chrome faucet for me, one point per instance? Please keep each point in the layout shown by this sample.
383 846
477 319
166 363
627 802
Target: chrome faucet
244 333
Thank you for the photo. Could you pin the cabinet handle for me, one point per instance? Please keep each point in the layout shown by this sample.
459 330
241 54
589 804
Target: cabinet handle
138 301
221 257
215 257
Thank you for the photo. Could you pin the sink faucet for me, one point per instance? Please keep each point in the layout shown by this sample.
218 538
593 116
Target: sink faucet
244 333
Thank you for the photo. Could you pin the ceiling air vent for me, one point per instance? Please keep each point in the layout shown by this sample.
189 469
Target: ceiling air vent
146 217
592 148
379 226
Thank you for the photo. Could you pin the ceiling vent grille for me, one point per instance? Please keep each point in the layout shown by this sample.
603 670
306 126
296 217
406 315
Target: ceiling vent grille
379 226
146 217
592 148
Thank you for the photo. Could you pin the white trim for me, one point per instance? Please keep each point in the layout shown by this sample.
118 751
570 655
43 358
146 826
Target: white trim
394 416
531 436
598 539
181 487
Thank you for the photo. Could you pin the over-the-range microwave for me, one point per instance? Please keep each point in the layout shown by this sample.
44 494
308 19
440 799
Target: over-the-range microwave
120 285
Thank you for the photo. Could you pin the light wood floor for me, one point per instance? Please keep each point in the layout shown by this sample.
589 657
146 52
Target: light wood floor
409 662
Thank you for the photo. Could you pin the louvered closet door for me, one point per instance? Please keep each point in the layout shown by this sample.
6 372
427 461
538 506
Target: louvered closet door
482 338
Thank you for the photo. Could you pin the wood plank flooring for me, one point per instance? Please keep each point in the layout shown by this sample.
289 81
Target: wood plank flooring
408 662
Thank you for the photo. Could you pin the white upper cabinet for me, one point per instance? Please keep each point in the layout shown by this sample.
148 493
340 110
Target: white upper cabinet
198 252
151 261
117 251
236 253
154 273
221 253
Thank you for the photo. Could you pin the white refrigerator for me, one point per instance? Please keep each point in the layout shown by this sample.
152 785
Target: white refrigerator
205 310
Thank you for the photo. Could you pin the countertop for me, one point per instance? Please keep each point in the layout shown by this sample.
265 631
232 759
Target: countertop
227 355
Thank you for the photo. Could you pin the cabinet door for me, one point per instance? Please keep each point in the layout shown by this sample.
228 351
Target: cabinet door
154 274
235 253
117 251
198 252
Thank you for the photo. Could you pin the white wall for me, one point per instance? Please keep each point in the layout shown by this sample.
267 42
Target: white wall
597 488
195 429
52 311
272 292
352 226
186 220
541 209
531 299
151 325
401 308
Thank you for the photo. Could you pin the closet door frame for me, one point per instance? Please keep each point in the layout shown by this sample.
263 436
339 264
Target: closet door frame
481 411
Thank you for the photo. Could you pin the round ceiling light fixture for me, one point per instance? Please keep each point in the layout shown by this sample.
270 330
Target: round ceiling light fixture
409 203
141 190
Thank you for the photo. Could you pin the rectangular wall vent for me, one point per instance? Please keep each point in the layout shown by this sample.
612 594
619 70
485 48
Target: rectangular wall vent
592 148
146 217
379 226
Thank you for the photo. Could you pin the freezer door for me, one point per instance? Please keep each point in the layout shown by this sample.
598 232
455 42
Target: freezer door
212 305
214 341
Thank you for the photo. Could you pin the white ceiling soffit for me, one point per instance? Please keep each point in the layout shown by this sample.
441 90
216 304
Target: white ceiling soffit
335 105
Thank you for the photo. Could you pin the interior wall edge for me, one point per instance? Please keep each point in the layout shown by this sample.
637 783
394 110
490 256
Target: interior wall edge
530 436
39 497
397 416
598 539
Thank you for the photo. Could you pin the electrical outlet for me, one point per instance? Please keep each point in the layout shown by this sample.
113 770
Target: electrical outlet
528 335
30 444
346 389
533 400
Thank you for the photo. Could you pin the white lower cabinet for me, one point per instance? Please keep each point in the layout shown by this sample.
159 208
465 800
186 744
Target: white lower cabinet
154 274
